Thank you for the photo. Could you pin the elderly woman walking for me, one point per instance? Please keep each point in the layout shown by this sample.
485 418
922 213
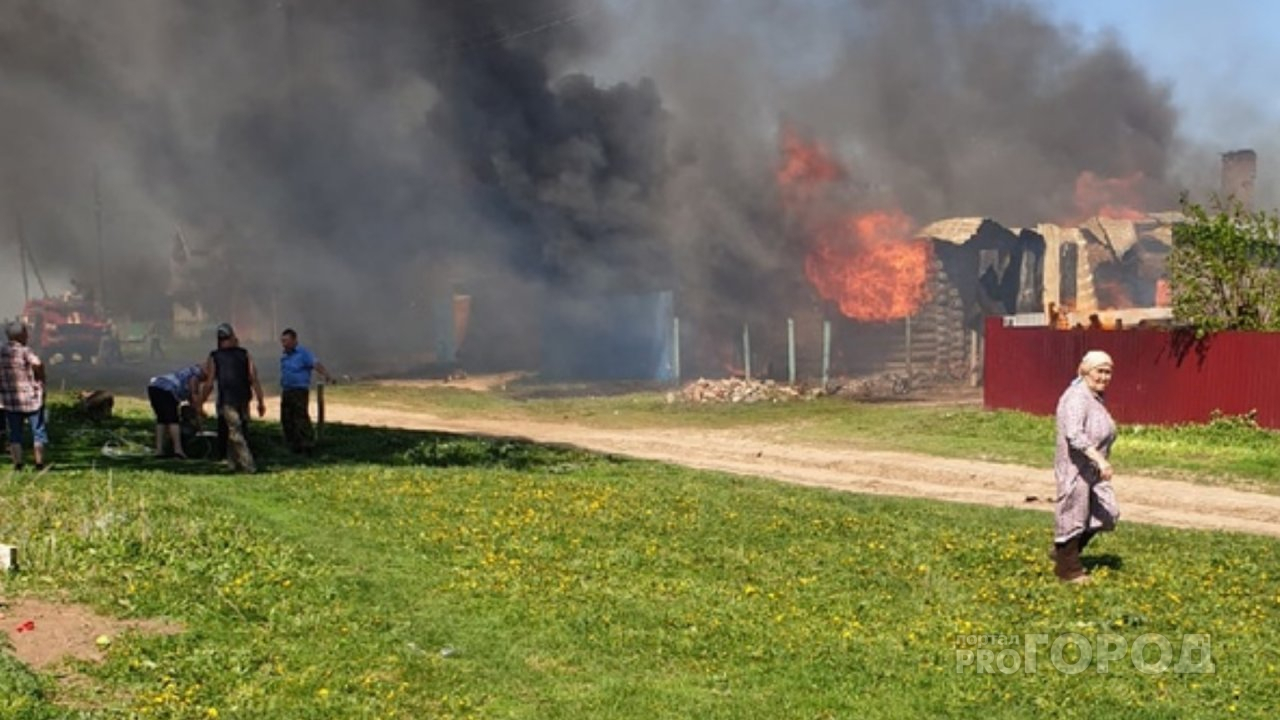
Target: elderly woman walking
1086 502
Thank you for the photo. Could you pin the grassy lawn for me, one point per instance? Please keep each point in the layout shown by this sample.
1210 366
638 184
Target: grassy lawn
1227 451
414 575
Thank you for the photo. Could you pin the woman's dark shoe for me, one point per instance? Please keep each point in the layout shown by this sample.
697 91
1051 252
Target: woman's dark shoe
1067 565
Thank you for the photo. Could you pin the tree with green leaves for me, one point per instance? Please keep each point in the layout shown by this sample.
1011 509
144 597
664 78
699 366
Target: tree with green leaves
1224 270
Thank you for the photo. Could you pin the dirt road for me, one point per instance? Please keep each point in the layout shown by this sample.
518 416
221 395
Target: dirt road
762 453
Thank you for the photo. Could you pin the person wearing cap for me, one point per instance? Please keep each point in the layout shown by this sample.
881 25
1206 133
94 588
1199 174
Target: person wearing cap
296 365
1086 502
166 393
231 368
22 394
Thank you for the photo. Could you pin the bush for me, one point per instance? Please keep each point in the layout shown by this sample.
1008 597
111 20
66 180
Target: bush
1224 270
473 452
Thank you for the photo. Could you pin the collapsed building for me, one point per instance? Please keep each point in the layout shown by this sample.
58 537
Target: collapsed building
1105 271
1101 271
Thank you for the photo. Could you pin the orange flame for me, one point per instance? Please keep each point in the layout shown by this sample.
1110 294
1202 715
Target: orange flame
806 169
869 264
1114 198
1112 294
1164 294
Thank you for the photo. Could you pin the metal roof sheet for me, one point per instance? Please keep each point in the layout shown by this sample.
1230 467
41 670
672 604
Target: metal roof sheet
953 230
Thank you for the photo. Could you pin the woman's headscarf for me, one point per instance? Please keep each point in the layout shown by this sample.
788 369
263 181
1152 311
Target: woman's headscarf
1095 359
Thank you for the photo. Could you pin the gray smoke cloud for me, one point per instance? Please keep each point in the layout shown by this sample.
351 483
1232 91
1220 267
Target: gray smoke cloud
349 162
942 108
352 162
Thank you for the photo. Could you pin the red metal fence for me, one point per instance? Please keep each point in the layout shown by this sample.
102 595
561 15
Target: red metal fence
1161 377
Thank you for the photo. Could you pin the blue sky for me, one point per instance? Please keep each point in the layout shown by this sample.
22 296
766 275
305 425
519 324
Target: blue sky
1221 58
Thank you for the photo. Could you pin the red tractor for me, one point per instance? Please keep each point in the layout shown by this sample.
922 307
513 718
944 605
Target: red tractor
70 326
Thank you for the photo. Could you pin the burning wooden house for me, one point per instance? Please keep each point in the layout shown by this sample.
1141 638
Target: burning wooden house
1106 270
917 299
1110 268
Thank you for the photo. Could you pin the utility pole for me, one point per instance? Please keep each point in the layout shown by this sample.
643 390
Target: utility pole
292 153
22 257
102 260
35 268
290 51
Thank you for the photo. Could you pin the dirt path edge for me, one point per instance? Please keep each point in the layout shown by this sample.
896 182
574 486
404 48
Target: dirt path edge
760 453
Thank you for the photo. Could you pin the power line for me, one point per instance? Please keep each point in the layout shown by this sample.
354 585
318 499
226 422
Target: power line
499 37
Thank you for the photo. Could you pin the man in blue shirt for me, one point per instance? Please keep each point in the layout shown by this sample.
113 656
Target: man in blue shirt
296 365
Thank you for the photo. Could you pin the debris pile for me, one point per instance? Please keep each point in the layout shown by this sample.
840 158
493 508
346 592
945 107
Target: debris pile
894 384
738 390
96 405
874 387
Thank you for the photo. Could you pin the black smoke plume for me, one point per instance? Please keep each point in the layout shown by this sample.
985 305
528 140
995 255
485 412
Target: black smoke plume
345 164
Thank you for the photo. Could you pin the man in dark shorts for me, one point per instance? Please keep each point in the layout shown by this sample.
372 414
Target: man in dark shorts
166 393
233 371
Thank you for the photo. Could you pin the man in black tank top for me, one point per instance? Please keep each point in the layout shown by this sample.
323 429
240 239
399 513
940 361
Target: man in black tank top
231 368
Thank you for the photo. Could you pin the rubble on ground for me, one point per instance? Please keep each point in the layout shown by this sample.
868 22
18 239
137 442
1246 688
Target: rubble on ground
739 390
881 386
893 384
874 387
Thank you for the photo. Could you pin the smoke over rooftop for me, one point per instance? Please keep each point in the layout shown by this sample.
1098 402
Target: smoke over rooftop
351 160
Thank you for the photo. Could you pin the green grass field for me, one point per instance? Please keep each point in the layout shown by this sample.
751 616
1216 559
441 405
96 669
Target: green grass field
417 575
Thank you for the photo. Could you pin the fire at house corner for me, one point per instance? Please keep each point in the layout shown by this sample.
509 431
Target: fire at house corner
868 263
